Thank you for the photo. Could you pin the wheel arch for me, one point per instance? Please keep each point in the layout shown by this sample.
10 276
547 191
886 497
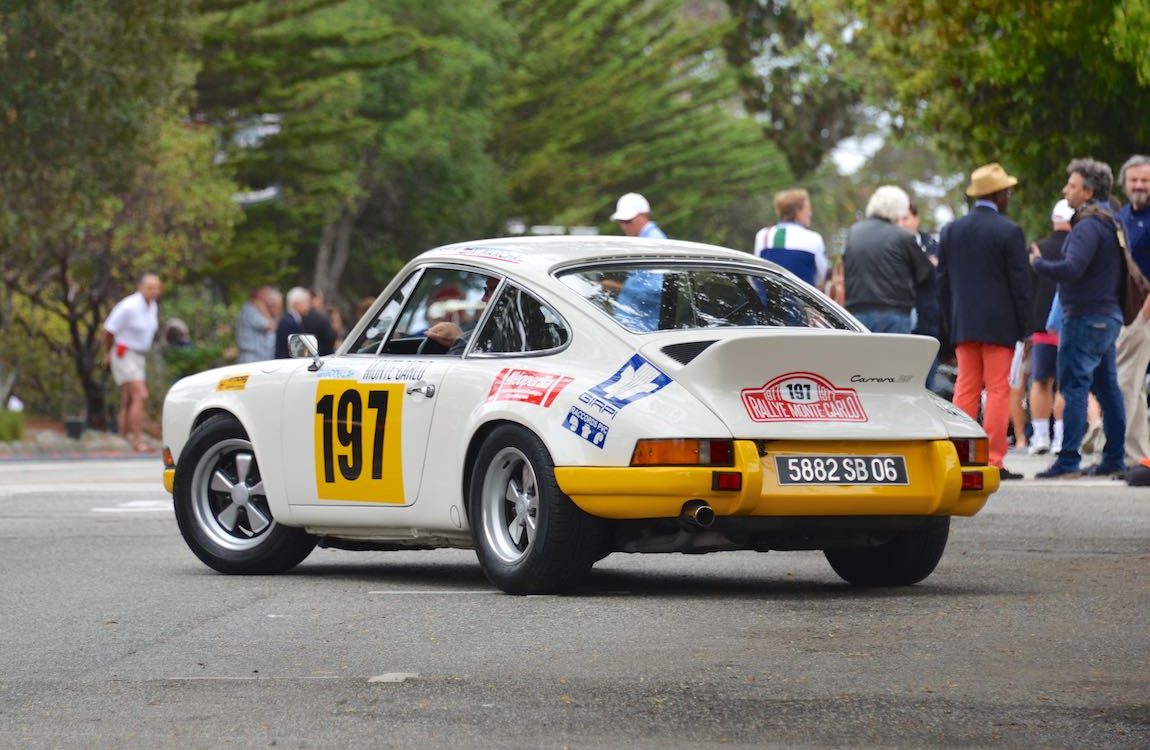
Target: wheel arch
477 439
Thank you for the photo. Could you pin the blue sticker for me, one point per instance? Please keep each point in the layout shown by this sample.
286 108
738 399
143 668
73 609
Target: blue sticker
586 427
637 379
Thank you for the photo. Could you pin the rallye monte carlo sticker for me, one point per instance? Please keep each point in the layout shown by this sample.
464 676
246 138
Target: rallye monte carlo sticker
358 428
636 379
802 397
527 386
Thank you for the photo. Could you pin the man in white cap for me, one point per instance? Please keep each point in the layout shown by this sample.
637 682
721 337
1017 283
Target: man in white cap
633 213
637 306
1044 343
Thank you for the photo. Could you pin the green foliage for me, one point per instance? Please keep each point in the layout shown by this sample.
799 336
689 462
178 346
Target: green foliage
428 177
11 426
292 67
1030 85
792 80
609 97
210 341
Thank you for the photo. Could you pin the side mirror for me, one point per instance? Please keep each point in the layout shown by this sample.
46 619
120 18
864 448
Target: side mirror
304 345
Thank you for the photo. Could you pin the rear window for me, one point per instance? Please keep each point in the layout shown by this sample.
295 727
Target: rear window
663 297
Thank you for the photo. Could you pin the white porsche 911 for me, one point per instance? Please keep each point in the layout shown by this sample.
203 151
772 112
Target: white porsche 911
600 395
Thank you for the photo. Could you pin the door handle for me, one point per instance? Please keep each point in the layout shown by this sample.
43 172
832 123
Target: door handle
426 389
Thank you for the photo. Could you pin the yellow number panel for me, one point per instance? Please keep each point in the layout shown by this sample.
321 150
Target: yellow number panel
358 433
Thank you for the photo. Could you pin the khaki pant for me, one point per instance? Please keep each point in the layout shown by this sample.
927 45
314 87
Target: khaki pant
1133 358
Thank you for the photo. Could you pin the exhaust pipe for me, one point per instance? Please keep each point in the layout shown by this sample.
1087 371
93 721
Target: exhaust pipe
698 513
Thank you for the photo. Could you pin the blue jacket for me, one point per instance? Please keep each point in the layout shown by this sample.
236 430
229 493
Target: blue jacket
983 281
1090 269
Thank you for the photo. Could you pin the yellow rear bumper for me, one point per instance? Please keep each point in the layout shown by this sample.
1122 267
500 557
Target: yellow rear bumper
933 471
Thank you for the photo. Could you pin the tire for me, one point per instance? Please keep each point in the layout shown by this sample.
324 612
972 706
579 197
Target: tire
221 509
529 537
906 559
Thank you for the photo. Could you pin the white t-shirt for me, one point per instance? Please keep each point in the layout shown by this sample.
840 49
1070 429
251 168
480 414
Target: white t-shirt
794 241
134 322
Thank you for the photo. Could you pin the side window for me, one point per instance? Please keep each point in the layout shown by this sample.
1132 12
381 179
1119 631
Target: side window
450 300
520 323
372 336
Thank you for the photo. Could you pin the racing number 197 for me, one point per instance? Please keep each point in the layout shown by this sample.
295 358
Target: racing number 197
358 436
345 423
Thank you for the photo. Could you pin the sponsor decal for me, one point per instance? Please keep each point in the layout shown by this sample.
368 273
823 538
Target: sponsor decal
636 379
527 386
802 397
587 427
340 373
233 383
402 371
491 254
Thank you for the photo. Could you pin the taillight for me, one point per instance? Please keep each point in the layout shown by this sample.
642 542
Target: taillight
683 452
972 451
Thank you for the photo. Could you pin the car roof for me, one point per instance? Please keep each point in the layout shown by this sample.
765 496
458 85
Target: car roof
539 256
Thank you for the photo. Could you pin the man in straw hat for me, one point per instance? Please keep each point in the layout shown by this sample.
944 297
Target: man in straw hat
985 300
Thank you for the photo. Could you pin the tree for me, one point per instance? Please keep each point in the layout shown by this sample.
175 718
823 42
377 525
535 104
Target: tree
611 96
428 176
791 79
87 133
174 210
1030 84
281 82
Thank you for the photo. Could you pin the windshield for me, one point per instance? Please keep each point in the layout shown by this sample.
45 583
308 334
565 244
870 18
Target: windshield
662 297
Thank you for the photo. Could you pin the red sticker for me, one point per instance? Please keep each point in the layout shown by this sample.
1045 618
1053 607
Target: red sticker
527 386
802 397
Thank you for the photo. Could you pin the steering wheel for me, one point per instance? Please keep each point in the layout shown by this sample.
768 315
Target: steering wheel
430 346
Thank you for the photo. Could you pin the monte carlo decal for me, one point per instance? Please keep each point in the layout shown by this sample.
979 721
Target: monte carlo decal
802 397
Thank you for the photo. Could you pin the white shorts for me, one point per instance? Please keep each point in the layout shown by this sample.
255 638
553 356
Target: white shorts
130 367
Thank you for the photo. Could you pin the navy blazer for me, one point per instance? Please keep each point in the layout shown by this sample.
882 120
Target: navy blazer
984 279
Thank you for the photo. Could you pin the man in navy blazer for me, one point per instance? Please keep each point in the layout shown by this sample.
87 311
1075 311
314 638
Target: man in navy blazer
985 301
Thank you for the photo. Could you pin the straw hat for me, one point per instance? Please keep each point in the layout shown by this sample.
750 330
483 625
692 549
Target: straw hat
989 179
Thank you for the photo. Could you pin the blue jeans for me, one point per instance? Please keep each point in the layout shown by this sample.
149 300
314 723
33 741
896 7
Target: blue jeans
1086 363
886 321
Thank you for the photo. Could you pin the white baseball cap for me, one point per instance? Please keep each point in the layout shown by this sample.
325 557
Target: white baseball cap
629 206
1062 212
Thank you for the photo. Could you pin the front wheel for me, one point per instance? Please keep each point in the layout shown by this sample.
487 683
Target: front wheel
221 507
529 537
909 557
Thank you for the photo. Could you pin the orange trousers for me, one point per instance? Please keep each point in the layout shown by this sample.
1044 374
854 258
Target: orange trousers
986 366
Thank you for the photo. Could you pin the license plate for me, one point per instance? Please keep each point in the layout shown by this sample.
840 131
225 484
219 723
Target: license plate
808 469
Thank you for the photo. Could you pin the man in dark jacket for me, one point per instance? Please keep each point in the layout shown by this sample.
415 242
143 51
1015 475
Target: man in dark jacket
985 300
928 321
1088 276
883 265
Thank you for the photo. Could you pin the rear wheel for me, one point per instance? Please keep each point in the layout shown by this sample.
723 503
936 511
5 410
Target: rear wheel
529 537
909 557
222 509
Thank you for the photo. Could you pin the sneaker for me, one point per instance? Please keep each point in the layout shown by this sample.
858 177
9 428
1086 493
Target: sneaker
1056 445
1054 471
1005 473
1038 448
1100 470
